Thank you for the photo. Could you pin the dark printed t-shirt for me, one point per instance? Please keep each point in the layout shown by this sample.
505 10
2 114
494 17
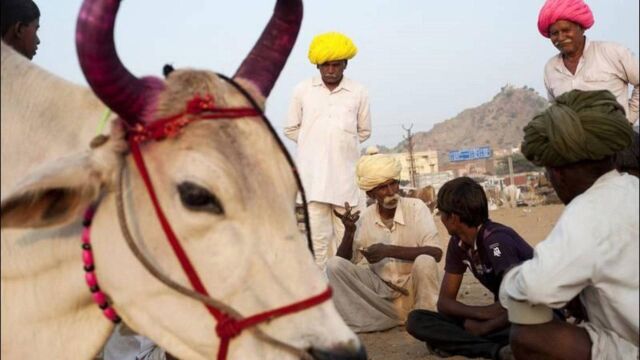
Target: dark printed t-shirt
497 248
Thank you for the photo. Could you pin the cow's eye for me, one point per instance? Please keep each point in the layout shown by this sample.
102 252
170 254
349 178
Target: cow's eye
196 198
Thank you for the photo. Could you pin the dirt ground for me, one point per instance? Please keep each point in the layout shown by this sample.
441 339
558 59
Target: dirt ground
532 223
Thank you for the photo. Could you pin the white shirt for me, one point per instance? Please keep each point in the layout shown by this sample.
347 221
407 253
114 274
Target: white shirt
603 66
413 226
592 251
327 125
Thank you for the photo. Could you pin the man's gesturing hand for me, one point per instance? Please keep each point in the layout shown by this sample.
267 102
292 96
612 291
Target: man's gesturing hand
348 219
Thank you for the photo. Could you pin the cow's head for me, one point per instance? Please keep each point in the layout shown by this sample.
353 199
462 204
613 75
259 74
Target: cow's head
225 186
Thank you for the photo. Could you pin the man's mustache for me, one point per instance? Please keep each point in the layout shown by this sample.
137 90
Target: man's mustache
391 200
563 42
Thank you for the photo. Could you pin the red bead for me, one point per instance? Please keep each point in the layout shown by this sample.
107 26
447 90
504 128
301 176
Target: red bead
86 238
91 279
88 214
110 313
87 257
99 297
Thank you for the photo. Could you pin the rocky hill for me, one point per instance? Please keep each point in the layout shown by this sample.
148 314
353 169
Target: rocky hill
497 123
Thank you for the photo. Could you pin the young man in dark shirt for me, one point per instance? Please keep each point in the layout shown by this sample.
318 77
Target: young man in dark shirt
488 249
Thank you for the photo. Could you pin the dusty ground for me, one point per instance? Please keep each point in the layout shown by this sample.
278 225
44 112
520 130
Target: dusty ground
532 223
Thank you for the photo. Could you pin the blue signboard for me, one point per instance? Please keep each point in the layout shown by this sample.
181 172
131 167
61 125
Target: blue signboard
470 154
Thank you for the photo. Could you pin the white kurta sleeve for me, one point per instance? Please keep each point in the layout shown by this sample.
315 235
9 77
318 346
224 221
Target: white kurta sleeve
629 66
294 116
562 265
364 117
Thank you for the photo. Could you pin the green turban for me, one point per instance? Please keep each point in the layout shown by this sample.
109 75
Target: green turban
580 125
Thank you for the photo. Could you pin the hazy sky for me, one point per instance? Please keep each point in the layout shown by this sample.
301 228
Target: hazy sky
422 61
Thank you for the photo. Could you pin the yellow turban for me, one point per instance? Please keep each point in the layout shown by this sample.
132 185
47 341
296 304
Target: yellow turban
373 170
331 46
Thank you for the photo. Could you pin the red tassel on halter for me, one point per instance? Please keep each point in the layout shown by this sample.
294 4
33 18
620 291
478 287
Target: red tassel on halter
199 104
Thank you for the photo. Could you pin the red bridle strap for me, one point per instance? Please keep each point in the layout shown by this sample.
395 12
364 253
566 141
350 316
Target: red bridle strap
227 326
202 107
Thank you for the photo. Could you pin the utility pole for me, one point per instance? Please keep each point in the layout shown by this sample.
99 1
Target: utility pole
412 163
510 162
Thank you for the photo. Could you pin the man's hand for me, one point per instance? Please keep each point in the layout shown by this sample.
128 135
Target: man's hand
348 219
475 327
494 310
375 253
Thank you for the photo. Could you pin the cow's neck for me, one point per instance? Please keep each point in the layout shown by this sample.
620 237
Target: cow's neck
43 289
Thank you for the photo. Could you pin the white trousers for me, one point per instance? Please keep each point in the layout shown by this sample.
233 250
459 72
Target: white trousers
367 303
326 230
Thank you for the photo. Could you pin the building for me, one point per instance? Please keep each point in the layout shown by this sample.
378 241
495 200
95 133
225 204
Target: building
426 162
470 167
435 179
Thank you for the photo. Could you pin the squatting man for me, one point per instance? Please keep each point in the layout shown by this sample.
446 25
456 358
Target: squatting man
386 263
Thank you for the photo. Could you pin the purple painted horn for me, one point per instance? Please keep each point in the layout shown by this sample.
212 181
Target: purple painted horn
267 58
120 90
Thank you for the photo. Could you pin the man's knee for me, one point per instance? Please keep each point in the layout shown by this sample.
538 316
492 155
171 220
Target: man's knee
336 266
425 267
426 283
424 263
420 323
419 317
413 321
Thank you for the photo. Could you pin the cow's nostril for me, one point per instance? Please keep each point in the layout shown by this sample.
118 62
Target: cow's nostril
339 354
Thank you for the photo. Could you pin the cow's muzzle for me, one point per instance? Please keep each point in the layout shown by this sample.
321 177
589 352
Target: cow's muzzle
339 354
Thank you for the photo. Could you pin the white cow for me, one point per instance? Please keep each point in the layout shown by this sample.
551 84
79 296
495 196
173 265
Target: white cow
231 206
511 195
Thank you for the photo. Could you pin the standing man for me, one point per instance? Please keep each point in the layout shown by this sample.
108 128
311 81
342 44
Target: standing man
386 264
488 249
583 64
328 117
591 255
20 23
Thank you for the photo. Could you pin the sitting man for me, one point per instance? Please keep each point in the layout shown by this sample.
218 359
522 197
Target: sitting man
399 241
488 249
592 252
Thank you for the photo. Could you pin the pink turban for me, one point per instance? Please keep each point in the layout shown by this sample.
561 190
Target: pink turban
572 10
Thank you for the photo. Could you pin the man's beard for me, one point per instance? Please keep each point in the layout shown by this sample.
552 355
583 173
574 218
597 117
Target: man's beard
390 202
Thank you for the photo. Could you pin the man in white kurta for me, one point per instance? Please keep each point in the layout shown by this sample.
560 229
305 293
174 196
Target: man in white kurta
603 66
592 252
386 265
328 118
586 65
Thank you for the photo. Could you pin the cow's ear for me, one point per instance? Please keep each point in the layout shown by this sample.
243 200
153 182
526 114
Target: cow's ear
61 191
55 195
